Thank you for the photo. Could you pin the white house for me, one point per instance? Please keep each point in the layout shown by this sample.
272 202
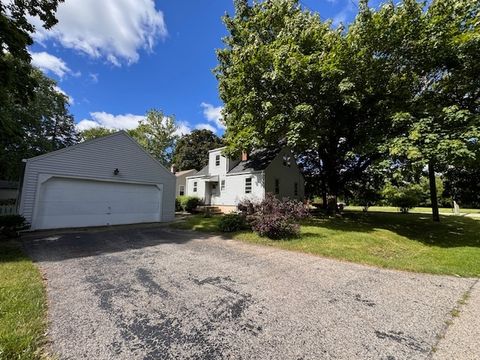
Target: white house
225 181
105 181
181 180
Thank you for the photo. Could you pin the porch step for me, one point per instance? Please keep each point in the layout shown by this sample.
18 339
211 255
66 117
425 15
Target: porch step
210 209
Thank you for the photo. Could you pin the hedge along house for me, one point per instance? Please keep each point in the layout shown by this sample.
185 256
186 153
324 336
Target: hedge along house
106 181
224 182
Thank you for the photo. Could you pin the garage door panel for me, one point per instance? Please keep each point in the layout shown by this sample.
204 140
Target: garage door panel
74 203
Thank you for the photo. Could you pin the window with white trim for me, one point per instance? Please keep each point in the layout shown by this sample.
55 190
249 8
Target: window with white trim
195 186
222 185
217 160
181 190
248 185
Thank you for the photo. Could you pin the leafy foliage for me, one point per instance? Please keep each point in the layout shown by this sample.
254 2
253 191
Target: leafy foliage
400 82
11 224
191 150
274 218
156 134
404 197
232 222
284 72
17 86
94 133
42 124
462 183
188 203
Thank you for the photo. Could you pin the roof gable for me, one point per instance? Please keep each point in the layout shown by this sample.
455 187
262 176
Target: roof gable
106 143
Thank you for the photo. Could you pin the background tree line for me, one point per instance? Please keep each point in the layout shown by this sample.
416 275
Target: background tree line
394 93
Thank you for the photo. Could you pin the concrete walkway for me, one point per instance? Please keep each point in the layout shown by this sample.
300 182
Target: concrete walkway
462 338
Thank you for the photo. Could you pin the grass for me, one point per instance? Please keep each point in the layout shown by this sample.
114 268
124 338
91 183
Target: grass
411 242
22 305
416 210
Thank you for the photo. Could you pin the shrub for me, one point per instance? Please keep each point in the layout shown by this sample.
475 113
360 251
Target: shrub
232 222
187 203
404 197
274 218
178 205
11 224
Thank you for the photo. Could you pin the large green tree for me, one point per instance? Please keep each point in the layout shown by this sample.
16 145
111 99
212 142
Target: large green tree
286 75
16 83
439 127
191 151
157 134
400 81
43 124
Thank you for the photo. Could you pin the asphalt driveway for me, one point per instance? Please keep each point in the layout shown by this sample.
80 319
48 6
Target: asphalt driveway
158 293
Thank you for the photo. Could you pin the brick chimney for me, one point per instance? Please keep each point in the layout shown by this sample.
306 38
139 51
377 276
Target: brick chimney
244 155
173 169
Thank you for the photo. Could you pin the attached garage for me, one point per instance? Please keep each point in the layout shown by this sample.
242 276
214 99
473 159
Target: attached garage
106 181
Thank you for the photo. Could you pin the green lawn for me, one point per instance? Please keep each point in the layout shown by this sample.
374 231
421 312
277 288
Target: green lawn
22 305
411 242
416 210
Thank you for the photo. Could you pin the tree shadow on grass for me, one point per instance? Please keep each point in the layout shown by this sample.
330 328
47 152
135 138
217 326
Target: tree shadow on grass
452 231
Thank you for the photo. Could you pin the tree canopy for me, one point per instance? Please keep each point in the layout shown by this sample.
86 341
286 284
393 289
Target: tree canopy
399 81
43 124
16 83
191 151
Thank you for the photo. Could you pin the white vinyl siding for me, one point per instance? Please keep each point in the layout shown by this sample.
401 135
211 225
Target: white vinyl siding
279 169
97 159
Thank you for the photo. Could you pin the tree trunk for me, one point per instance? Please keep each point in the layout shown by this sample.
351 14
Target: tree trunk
332 204
433 191
324 199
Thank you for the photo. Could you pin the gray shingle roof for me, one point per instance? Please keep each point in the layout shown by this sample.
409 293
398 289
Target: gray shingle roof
258 160
202 172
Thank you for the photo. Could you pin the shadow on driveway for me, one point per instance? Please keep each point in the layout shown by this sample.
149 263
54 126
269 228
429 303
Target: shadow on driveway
65 244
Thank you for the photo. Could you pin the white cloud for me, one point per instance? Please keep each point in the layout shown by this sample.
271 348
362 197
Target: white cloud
213 114
50 63
71 101
206 127
111 29
183 128
110 121
122 122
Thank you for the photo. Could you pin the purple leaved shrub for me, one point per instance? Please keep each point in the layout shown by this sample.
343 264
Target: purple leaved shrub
274 218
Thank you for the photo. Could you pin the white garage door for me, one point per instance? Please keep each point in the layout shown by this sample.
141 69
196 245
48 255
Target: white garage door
76 203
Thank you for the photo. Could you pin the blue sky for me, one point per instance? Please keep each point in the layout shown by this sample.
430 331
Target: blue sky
116 59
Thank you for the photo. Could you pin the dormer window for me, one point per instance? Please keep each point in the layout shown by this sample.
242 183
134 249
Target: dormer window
217 160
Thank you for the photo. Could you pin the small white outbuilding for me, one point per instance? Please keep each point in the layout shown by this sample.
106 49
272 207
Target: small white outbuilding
106 181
